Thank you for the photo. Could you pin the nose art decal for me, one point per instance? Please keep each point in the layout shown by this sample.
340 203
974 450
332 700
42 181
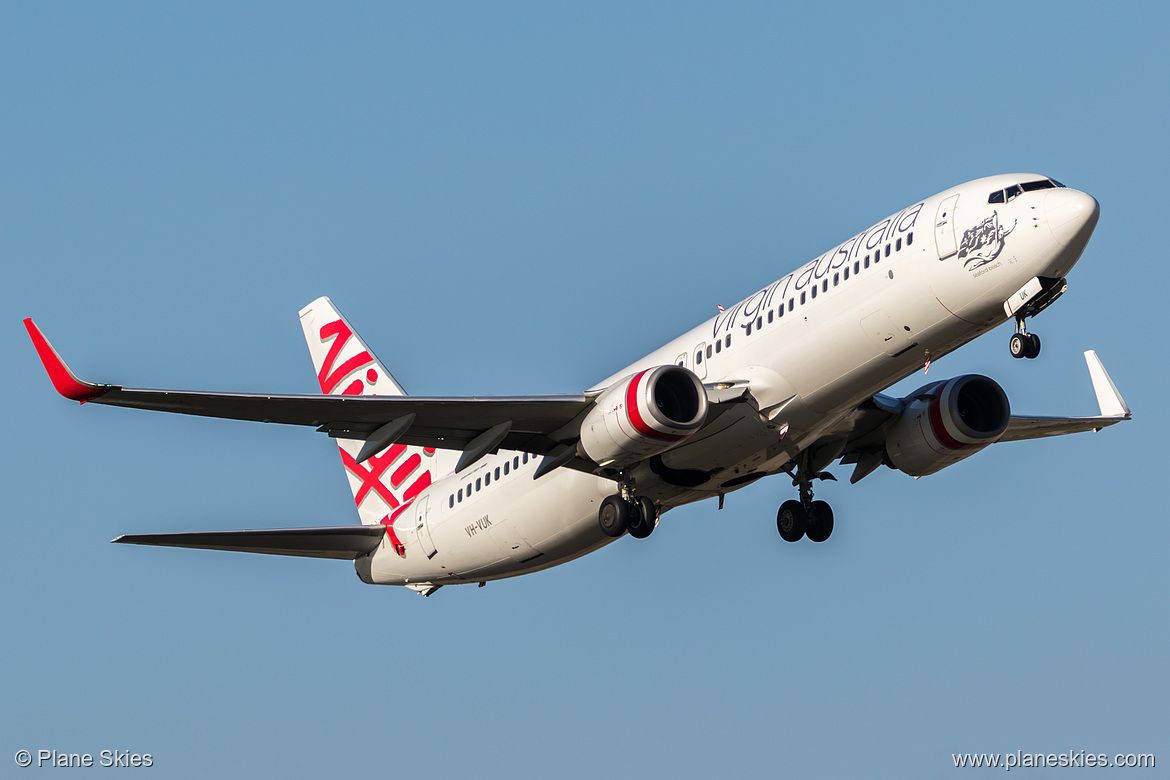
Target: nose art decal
983 243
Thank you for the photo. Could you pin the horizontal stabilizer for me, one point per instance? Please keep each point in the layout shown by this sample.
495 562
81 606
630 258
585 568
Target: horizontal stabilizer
341 542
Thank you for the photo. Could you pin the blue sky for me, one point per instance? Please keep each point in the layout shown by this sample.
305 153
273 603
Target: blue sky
521 198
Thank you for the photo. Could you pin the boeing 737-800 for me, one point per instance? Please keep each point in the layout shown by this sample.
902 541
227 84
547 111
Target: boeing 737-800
465 490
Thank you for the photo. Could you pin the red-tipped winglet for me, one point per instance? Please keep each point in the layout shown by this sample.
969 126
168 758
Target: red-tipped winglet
64 380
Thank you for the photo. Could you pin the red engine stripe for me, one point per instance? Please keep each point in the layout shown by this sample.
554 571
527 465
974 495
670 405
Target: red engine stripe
940 430
635 416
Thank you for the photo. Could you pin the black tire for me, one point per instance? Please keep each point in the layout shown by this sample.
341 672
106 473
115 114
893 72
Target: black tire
791 521
1019 345
613 516
820 522
1033 345
643 516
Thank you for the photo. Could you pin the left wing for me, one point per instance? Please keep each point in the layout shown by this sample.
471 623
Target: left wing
1109 401
867 426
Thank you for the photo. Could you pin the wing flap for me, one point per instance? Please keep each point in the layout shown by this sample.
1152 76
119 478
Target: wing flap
340 542
454 420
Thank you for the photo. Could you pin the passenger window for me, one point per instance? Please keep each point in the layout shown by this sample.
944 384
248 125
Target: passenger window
995 197
469 490
497 473
478 485
802 297
760 321
770 313
526 457
867 261
856 266
825 286
487 479
708 350
909 239
699 357
814 290
451 500
836 279
791 303
516 462
728 340
506 465
898 245
780 311
460 494
846 273
887 250
748 328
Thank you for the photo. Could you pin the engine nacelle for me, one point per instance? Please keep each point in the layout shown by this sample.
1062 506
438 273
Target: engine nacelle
946 422
643 415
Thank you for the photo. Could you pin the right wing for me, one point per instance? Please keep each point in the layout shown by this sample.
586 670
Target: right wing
548 425
538 423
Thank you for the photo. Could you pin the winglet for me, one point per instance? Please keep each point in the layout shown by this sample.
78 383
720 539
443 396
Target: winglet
64 380
1108 399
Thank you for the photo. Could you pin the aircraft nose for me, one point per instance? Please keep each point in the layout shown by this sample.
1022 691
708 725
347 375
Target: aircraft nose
1072 215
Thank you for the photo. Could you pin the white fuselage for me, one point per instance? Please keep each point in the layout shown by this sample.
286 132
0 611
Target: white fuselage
913 287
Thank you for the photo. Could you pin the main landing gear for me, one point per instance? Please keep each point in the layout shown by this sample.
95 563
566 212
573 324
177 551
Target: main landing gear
1024 344
797 519
627 512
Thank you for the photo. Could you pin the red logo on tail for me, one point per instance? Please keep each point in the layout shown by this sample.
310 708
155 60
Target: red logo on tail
406 480
330 378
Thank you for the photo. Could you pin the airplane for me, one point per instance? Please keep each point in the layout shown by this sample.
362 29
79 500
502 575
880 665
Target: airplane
461 490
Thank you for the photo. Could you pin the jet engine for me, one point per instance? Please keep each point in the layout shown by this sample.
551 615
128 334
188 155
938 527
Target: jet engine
945 422
643 415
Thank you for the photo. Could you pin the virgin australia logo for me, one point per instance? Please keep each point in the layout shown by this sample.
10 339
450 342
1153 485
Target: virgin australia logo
983 243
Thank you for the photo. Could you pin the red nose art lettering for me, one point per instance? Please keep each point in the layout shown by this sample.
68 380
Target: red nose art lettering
341 334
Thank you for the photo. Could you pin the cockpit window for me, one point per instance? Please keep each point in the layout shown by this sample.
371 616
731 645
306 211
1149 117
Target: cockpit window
1008 195
1043 184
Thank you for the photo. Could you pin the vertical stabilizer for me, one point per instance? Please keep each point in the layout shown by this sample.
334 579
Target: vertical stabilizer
385 484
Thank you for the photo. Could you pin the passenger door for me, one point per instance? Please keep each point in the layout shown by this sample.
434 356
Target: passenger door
421 528
944 228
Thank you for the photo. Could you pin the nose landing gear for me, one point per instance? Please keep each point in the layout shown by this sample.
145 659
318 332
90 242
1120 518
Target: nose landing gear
1023 344
1031 299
